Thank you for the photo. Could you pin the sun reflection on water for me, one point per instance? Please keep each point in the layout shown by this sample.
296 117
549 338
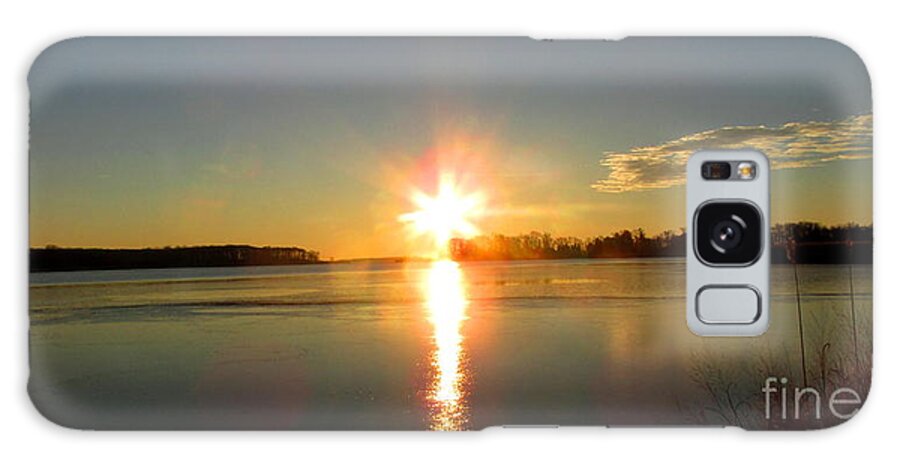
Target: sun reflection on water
446 302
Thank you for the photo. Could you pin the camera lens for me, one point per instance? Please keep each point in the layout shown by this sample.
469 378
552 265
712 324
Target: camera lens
728 233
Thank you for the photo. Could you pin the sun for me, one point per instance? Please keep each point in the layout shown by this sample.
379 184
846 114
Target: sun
446 215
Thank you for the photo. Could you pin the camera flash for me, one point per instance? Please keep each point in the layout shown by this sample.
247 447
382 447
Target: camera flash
746 170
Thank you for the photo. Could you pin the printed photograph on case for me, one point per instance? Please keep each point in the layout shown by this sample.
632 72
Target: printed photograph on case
440 234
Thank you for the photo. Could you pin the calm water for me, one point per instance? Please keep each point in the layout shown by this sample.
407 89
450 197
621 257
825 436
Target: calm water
415 345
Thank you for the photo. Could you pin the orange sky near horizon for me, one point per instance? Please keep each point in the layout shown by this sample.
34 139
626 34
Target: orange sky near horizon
532 197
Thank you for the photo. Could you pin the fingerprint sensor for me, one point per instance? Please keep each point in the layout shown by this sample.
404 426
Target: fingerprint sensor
728 304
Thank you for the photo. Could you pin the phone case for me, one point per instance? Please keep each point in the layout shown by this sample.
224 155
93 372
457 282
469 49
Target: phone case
435 233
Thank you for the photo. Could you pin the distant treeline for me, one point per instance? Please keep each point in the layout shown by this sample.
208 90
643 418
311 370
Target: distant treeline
801 242
810 242
537 245
78 259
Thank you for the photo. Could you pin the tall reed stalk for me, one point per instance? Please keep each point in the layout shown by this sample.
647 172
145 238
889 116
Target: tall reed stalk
793 257
853 304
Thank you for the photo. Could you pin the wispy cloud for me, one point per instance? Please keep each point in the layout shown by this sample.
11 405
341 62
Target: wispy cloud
792 145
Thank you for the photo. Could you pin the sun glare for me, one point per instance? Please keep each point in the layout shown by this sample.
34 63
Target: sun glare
446 215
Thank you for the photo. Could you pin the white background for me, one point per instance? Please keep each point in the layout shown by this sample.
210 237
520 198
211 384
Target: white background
29 26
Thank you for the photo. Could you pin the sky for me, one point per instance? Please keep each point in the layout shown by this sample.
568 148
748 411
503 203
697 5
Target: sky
320 142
